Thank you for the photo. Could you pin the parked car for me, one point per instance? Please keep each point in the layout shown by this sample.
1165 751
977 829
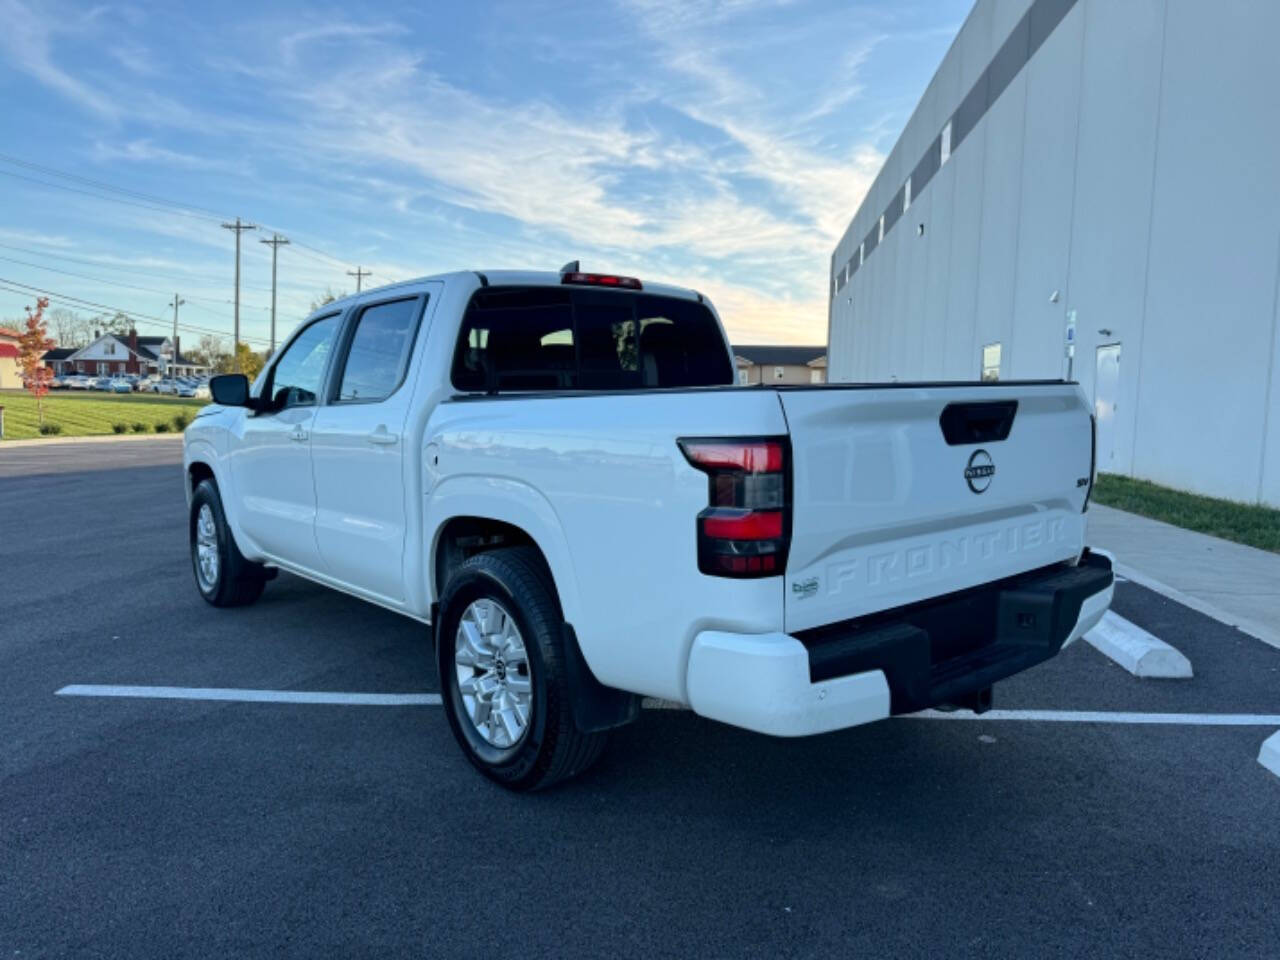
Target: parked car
77 381
185 389
557 473
201 391
166 386
145 385
121 385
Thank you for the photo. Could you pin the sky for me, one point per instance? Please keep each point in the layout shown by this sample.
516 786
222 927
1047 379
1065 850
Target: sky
718 144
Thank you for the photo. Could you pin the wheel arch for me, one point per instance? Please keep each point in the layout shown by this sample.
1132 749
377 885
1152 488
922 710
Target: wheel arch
462 522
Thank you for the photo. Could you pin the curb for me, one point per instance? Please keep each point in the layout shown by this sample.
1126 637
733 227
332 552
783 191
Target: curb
1139 652
1269 755
1252 628
96 438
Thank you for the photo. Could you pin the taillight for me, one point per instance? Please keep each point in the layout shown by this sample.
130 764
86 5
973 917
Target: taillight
746 527
601 280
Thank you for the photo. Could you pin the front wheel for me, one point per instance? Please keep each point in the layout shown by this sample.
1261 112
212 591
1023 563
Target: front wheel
500 656
223 576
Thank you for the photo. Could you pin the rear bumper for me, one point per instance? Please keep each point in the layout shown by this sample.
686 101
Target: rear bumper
942 651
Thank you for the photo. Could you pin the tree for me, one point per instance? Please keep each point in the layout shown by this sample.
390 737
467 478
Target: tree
33 344
118 323
250 363
70 329
327 297
209 352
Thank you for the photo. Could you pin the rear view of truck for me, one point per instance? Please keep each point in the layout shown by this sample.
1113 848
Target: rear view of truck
933 542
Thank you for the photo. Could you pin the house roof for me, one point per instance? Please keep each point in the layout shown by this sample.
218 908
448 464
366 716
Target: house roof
58 353
9 332
770 355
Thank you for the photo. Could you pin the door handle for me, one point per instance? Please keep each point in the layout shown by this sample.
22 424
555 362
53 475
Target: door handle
381 437
298 434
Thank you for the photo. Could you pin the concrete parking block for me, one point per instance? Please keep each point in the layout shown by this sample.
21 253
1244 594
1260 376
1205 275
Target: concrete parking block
1269 755
1139 652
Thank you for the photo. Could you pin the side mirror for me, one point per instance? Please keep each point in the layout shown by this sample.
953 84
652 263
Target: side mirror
231 390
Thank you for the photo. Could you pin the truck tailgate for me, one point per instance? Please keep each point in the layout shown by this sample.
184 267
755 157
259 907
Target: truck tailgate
895 502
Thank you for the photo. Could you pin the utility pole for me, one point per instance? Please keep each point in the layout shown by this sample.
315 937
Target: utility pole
275 242
173 355
239 228
359 274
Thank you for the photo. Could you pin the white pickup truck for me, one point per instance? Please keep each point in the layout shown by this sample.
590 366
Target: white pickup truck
556 473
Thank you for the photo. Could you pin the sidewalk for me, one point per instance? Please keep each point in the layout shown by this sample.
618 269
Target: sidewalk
1228 581
93 438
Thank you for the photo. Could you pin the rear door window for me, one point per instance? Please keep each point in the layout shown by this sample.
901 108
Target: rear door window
375 361
555 338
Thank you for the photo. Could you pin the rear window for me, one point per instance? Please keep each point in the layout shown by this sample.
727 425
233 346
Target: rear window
557 338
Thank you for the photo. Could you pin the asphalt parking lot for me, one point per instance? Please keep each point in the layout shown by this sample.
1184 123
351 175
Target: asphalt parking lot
169 828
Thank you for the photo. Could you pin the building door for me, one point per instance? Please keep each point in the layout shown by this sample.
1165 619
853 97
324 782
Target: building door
1106 390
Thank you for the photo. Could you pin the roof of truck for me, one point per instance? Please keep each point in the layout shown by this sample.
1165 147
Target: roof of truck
514 278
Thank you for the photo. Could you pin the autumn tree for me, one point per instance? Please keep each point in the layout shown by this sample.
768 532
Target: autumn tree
33 344
250 363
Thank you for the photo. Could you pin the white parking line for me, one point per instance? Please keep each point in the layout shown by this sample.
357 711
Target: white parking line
433 700
1106 716
253 696
1141 653
1269 755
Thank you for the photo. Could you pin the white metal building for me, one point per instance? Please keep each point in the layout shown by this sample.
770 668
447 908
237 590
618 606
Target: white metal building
1115 163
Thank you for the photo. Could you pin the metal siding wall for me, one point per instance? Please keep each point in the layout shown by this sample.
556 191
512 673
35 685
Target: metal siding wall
1211 277
1115 159
1002 129
1042 256
1269 482
938 284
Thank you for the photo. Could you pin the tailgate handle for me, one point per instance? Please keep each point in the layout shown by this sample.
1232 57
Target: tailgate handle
988 422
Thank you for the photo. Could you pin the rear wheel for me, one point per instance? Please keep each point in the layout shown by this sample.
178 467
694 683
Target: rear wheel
223 576
500 656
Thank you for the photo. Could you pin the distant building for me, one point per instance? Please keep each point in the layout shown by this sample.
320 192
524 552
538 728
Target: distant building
110 353
775 364
10 372
1098 176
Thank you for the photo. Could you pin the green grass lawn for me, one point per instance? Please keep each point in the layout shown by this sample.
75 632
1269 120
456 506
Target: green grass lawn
1245 523
89 413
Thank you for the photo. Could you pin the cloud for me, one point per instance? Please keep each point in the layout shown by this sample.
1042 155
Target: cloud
681 139
145 150
27 40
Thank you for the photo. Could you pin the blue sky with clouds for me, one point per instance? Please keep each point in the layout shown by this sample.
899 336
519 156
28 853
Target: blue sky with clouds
722 145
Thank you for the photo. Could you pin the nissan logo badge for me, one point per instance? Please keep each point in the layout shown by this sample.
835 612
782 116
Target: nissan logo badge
979 472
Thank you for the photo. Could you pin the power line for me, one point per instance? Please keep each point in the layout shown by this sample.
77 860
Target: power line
28 290
187 209
98 196
117 268
103 185
85 276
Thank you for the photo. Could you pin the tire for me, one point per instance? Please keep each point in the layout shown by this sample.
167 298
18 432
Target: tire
493 592
231 580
